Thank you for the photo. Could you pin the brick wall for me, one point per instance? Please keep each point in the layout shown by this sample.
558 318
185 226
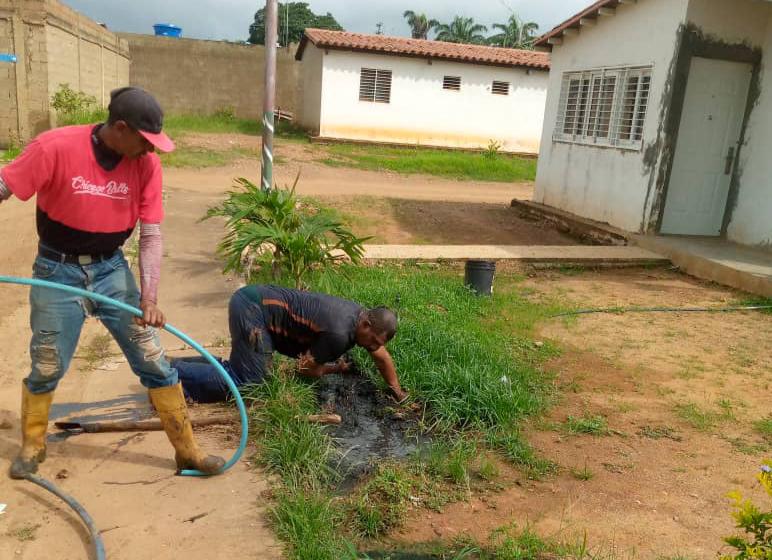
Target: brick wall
53 45
194 76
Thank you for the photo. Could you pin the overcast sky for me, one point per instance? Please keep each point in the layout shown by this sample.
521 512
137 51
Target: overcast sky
230 19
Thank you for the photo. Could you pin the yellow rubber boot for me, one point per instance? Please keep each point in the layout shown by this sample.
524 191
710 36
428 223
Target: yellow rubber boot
170 404
34 424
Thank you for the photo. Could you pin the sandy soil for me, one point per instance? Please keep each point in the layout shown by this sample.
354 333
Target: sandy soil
125 481
647 498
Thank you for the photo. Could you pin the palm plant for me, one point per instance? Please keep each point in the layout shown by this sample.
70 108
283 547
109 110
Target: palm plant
460 30
419 24
515 34
291 237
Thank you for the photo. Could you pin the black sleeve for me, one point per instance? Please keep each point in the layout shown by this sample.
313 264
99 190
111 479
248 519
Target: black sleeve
329 347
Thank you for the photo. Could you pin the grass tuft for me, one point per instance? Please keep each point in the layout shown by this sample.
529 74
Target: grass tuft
764 427
592 425
309 522
10 153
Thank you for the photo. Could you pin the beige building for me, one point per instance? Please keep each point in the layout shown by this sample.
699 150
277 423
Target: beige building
44 44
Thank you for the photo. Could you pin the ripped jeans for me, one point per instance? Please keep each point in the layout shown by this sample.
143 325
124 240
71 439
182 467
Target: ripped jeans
57 318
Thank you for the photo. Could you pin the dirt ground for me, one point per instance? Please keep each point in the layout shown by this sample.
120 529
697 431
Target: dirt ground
388 207
647 497
657 485
125 481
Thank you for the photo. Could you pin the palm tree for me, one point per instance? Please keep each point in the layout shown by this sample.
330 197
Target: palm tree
460 30
515 34
419 24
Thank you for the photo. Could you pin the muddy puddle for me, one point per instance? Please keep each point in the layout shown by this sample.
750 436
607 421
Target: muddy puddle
373 428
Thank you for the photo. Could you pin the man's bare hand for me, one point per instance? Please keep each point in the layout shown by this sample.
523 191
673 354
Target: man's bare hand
344 366
151 315
399 395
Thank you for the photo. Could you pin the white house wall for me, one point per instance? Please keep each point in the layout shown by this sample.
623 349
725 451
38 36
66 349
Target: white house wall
313 75
422 113
608 184
749 22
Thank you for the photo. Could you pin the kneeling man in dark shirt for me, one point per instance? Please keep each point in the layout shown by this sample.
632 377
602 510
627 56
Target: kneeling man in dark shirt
317 329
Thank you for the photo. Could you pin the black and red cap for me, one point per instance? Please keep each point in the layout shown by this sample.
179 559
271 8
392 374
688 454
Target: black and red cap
141 111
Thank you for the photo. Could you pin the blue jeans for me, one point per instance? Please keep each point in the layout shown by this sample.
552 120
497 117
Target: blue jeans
57 319
250 359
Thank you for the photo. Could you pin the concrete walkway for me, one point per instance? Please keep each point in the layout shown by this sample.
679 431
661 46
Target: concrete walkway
531 253
745 268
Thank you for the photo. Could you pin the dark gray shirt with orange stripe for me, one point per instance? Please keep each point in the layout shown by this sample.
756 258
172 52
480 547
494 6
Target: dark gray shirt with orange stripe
301 322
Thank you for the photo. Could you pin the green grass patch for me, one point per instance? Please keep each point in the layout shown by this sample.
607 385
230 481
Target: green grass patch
195 157
310 523
461 355
442 163
702 419
470 360
583 474
86 116
10 153
382 503
592 425
764 427
220 122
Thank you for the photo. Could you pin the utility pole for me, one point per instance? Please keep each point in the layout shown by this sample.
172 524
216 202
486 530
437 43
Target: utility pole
269 100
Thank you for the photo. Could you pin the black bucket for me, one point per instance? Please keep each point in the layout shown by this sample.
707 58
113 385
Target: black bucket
478 275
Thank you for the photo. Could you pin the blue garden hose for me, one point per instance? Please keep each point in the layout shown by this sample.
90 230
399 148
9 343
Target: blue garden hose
182 336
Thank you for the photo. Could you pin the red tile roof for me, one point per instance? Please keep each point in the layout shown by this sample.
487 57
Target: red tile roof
592 12
401 46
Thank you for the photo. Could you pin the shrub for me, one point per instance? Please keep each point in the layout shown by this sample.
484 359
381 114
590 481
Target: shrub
756 543
272 228
68 103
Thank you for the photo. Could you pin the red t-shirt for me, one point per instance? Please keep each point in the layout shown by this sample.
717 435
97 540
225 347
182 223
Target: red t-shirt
75 191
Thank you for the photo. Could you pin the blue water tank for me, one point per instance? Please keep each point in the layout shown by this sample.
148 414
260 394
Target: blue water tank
167 30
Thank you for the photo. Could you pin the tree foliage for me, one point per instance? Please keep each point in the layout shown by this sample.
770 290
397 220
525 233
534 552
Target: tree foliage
420 24
460 30
514 34
291 28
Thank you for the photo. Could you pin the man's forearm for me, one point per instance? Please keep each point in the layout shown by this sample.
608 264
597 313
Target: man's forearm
385 366
308 367
150 253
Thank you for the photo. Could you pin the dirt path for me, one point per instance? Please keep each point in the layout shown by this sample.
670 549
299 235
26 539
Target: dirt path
681 394
317 179
126 481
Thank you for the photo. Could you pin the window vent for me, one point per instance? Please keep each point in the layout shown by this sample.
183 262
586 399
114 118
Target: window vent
452 83
375 85
500 88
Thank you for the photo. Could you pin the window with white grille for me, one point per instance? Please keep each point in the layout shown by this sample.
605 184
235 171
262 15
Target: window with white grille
375 85
500 88
605 107
452 83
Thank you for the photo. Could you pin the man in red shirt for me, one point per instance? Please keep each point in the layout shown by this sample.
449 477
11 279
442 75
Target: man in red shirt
93 183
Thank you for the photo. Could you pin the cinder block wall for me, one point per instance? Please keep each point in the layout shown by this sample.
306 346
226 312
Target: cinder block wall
190 76
53 44
84 54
